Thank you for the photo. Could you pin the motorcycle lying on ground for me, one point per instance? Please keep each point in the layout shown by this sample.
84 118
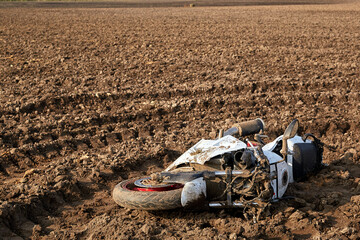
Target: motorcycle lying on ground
228 172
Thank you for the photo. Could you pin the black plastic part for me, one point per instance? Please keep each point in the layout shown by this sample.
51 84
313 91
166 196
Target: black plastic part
306 160
248 158
229 160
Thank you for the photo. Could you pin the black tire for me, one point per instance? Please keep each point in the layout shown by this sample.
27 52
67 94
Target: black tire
144 200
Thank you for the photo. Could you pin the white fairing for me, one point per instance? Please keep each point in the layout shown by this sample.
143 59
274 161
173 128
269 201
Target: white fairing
272 157
204 150
193 192
271 146
282 173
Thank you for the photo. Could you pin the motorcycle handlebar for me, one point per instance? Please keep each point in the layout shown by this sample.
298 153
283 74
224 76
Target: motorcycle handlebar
246 128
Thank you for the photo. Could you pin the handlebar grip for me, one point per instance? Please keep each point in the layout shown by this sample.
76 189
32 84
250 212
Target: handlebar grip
246 128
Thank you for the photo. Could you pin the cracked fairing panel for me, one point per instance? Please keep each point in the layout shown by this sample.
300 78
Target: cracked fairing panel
204 150
270 146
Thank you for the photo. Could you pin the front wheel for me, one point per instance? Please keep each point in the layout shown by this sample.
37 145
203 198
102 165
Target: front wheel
134 194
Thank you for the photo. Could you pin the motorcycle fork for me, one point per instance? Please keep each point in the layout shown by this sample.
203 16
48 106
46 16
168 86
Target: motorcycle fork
228 178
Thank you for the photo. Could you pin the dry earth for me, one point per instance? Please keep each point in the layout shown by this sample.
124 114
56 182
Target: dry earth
89 97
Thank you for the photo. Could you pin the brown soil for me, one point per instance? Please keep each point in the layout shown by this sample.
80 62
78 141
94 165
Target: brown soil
159 3
90 97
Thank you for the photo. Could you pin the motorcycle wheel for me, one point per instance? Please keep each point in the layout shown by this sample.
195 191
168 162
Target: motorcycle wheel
165 197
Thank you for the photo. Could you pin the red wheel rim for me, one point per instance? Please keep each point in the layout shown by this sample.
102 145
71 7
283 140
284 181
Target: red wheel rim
132 187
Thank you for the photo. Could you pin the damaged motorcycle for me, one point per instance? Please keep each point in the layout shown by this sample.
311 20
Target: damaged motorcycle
228 172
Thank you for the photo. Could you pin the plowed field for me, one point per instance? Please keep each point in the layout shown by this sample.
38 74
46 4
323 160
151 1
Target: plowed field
90 96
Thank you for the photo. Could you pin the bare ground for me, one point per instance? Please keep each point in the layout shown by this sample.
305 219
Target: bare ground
90 97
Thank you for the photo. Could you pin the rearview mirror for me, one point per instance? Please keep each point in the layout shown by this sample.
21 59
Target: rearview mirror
292 129
290 132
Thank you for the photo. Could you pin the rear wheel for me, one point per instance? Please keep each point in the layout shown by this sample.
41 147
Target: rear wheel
137 194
